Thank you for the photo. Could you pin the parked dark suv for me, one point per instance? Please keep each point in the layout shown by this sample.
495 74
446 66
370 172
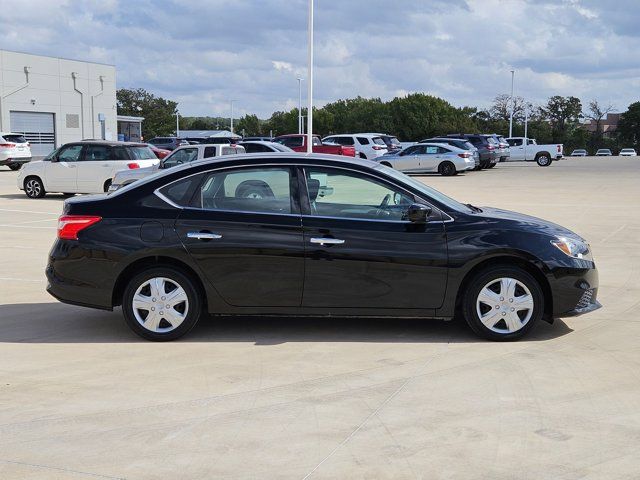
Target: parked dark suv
487 147
168 143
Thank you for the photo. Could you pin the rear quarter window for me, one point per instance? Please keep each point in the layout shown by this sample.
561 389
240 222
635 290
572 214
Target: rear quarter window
141 153
14 138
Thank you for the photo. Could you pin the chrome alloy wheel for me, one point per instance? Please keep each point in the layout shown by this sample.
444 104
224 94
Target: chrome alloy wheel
33 188
160 305
504 305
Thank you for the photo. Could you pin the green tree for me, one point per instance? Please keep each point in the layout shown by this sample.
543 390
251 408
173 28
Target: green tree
250 124
563 113
629 125
159 114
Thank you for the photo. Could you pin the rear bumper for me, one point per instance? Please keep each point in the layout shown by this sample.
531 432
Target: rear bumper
14 160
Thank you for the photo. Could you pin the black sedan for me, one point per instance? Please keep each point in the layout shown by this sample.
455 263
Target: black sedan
291 234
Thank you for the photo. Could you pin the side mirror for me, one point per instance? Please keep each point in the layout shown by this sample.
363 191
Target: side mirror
418 213
54 159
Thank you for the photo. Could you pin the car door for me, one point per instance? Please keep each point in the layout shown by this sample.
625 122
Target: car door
243 230
360 250
61 172
95 167
407 160
429 158
516 149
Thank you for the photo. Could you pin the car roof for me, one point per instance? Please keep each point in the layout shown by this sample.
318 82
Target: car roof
107 142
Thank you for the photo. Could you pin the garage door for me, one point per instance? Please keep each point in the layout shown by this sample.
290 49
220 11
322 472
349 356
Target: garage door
39 130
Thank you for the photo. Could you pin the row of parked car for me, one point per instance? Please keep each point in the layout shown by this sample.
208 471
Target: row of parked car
93 166
604 152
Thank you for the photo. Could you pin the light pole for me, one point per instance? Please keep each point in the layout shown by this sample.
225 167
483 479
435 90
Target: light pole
310 82
177 124
512 106
232 116
300 105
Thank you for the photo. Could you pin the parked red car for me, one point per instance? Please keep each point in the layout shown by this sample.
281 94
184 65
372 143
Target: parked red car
159 152
298 143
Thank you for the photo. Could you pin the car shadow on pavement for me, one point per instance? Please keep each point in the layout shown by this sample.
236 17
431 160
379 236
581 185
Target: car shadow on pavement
59 323
23 196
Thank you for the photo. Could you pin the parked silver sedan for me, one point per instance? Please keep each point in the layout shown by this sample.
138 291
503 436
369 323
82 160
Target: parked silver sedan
430 157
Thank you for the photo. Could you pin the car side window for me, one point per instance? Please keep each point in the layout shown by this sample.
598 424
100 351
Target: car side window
70 153
363 140
343 194
292 142
209 152
119 153
185 155
443 150
431 150
259 190
413 150
97 153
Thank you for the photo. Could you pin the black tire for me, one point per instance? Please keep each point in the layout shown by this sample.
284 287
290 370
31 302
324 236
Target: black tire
15 166
543 159
485 277
491 165
386 164
68 194
447 169
253 189
106 186
194 311
363 156
33 187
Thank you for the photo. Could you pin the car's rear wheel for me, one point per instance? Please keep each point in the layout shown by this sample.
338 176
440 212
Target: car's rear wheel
161 304
543 160
503 303
34 188
15 166
447 169
491 165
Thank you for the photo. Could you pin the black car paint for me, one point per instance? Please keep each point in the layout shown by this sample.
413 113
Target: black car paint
267 266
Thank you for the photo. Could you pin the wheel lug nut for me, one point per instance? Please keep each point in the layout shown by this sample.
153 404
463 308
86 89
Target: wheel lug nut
511 300
513 309
497 306
161 312
502 299
153 299
503 313
162 298
153 309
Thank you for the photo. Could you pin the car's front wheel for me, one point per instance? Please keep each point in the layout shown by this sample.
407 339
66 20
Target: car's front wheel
15 166
503 303
161 304
34 188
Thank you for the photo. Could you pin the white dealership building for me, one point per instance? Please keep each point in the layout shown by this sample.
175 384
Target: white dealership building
53 100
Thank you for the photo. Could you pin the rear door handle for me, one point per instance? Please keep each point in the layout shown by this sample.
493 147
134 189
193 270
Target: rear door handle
326 241
203 235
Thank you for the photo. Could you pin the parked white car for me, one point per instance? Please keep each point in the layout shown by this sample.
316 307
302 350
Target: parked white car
183 154
430 157
83 167
628 152
528 150
367 145
14 150
263 146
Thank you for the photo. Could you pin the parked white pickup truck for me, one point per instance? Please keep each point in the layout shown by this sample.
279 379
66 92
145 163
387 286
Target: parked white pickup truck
526 149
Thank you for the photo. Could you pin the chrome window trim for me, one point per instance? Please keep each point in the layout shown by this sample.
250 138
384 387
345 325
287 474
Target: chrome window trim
164 198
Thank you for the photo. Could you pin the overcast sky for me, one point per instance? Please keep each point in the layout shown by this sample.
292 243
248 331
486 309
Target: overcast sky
204 53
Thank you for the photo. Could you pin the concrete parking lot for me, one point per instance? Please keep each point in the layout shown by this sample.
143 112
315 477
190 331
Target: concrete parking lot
83 397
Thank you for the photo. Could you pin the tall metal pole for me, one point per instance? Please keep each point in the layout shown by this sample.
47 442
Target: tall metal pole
177 123
310 82
526 124
300 105
512 107
232 116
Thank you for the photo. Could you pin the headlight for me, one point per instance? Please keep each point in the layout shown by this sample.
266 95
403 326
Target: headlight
573 248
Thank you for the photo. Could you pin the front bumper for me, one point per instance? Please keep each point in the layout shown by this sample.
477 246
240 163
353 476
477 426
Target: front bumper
575 290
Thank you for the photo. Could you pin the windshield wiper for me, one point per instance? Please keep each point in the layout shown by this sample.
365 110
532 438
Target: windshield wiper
474 208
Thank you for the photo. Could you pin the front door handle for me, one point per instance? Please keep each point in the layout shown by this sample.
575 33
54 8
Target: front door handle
326 241
203 235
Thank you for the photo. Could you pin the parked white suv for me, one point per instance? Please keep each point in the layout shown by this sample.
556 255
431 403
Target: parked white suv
83 167
14 150
180 155
367 145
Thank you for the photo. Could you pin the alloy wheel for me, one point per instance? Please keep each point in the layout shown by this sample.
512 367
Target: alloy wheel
160 305
33 188
505 305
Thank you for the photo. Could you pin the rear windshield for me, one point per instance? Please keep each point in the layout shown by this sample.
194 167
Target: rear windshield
394 140
491 140
142 153
378 141
14 138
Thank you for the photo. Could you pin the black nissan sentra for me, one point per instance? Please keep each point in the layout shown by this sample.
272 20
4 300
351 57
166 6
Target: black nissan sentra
293 234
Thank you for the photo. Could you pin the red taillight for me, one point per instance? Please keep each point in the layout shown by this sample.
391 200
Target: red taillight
464 155
70 225
378 147
490 147
132 166
7 145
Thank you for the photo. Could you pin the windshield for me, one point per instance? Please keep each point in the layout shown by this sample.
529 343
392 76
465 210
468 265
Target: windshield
428 191
15 138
